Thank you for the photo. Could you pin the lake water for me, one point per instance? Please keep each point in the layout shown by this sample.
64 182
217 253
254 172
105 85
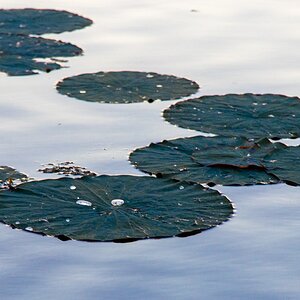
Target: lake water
227 46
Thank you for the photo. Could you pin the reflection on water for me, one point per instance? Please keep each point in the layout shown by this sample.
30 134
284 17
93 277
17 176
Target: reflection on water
227 46
253 256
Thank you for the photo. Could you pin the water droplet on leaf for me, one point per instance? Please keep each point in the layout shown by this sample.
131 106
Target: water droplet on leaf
84 202
117 202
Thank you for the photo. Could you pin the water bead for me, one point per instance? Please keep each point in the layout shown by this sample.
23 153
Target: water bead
117 202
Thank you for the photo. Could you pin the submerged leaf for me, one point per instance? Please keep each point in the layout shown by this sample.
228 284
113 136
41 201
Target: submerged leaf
20 54
113 208
126 87
177 159
39 21
249 115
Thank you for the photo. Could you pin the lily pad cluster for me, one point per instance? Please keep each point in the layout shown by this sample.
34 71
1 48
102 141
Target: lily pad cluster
98 208
21 53
173 203
242 154
220 160
126 87
208 160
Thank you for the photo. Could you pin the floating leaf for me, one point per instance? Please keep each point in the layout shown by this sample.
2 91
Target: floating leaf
175 159
126 87
17 66
19 54
246 155
9 177
113 208
284 163
249 115
10 173
39 21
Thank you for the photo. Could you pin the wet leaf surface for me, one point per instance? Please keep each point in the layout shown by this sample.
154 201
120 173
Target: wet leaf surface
9 177
113 208
246 155
10 173
284 163
20 54
126 87
39 21
249 115
177 159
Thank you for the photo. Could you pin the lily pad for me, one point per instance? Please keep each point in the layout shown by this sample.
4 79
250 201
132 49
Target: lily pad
176 159
249 115
20 54
10 173
126 87
39 21
249 154
9 177
284 163
113 208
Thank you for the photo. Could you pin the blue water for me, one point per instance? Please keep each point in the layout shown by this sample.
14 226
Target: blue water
227 47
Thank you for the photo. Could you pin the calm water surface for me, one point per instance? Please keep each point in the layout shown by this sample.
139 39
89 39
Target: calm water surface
227 46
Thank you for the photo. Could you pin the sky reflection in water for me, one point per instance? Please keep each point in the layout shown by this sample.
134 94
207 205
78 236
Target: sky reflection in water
227 47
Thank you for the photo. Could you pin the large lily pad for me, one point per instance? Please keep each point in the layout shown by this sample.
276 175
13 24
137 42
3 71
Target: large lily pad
39 21
126 87
177 159
284 163
19 54
249 115
113 208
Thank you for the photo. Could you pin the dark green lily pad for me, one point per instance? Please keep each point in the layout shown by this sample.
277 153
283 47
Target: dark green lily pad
174 159
249 115
126 87
91 208
249 154
39 21
284 163
9 177
19 54
17 66
10 173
